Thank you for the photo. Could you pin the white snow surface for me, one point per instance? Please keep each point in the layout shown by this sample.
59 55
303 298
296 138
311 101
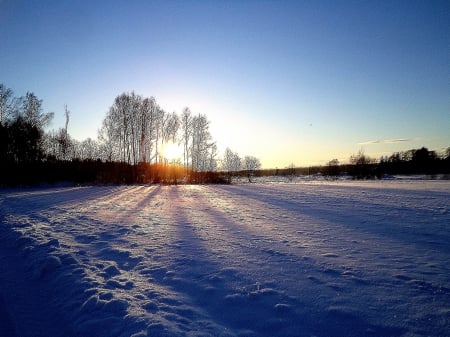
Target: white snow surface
283 259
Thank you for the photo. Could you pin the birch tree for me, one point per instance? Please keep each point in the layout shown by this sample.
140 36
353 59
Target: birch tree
108 146
201 143
32 113
186 134
231 163
6 104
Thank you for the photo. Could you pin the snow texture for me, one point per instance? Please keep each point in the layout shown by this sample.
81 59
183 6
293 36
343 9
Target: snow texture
300 259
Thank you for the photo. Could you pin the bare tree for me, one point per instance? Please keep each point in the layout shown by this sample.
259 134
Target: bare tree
251 164
138 128
172 127
121 108
231 163
6 104
212 160
170 131
121 117
27 129
186 134
360 158
108 147
87 149
64 136
146 126
201 144
160 121
32 111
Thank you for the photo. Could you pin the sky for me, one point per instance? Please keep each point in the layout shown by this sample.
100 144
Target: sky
290 82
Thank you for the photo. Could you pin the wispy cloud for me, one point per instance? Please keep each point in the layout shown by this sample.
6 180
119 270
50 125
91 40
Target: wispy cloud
387 141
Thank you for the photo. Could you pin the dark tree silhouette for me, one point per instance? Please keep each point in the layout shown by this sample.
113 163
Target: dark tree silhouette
332 168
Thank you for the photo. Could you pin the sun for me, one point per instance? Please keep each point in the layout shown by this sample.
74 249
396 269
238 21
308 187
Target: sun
172 152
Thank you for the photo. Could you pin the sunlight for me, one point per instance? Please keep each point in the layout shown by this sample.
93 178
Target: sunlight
172 152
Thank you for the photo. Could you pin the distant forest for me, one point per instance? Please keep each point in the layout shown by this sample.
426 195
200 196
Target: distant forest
130 149
412 162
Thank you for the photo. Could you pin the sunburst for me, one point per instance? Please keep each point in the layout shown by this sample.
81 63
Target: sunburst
172 151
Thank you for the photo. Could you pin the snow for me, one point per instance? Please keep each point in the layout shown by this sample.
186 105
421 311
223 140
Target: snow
312 258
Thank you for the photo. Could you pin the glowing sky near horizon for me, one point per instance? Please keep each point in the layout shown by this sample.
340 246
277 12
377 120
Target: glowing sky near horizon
298 82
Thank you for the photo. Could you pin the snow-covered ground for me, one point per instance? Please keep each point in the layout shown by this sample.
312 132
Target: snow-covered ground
305 259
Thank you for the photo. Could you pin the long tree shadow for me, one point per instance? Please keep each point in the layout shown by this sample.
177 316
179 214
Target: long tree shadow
240 301
415 227
30 201
339 215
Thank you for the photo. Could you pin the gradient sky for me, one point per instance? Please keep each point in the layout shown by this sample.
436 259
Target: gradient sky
298 82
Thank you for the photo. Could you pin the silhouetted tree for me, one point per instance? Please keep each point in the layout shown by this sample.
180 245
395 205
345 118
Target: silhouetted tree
4 144
7 104
424 161
361 165
64 141
25 142
332 168
147 122
31 112
108 147
186 134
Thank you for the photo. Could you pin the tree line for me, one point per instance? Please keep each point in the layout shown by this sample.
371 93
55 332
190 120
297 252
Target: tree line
420 161
414 161
129 147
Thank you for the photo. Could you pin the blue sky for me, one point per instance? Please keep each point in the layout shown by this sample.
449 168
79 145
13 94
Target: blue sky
298 82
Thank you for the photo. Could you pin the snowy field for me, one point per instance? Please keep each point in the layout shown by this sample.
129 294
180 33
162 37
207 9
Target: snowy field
317 259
